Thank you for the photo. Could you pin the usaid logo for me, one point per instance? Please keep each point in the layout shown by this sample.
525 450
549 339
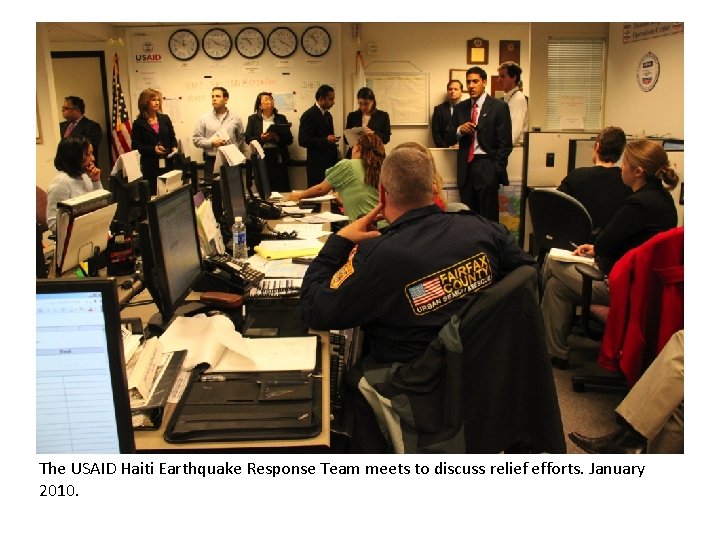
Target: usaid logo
148 56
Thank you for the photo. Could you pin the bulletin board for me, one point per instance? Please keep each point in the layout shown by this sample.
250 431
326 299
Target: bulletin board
404 96
186 85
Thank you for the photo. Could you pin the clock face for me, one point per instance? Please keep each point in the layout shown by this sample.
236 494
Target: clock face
183 44
250 42
315 41
282 42
217 43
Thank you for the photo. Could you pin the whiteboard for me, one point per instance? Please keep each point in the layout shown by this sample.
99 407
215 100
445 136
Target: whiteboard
186 85
404 96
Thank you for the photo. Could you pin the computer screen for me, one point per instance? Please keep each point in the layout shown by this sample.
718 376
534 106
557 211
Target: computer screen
175 249
260 177
131 198
233 193
81 397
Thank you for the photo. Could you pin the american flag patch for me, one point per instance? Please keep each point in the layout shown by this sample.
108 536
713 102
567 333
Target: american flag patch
425 292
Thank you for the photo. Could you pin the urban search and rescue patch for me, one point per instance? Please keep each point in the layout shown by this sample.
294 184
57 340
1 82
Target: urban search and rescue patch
436 290
345 271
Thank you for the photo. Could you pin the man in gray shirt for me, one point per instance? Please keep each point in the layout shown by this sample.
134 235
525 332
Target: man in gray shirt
217 128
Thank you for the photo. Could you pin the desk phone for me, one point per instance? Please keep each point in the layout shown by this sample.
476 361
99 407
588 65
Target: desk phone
235 271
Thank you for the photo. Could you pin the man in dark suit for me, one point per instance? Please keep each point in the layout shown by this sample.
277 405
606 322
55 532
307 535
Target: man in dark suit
73 111
443 113
483 130
317 134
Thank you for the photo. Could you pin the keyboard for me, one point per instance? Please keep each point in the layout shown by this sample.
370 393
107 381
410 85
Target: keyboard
276 288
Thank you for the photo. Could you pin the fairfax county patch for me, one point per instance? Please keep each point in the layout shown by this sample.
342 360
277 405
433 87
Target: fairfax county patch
436 290
344 272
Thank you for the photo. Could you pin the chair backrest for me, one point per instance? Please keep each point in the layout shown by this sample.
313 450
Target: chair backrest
646 303
558 221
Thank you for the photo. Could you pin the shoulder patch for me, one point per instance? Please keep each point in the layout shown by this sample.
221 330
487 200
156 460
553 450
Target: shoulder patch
436 290
345 271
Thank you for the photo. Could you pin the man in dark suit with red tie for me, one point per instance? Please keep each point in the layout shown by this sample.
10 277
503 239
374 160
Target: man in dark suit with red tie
73 111
317 134
482 127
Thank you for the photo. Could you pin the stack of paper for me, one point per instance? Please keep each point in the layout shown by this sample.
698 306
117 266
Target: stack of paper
566 256
213 340
287 249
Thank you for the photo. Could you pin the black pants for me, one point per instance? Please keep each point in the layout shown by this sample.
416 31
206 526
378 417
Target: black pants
480 190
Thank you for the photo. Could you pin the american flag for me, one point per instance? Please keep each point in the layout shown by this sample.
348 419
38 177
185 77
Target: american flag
426 291
121 121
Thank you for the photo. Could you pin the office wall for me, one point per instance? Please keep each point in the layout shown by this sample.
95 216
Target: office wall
659 112
432 48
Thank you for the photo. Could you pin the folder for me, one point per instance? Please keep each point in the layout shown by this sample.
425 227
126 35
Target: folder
287 249
85 235
249 405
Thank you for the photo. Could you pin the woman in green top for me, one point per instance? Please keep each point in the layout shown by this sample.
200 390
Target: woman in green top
355 180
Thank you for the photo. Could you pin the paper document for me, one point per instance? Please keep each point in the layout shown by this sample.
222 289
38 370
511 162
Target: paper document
131 342
323 217
278 268
258 148
228 155
567 256
129 165
213 340
353 134
287 249
327 197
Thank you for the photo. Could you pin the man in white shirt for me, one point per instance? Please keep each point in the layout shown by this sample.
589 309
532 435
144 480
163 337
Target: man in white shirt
508 80
217 128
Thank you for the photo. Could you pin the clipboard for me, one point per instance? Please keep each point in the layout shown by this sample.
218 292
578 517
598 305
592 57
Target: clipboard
242 406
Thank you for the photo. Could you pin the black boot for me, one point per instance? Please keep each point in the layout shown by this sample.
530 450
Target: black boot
623 441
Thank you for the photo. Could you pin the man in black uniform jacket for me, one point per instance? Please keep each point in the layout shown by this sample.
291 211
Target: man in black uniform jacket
403 285
485 142
77 124
317 134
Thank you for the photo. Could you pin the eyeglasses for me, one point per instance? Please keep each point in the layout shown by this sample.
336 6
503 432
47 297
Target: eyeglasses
69 108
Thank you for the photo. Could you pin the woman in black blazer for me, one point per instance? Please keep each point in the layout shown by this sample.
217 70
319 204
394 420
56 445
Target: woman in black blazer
272 130
153 136
369 116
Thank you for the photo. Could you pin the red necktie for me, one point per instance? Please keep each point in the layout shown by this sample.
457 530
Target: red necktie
69 129
471 151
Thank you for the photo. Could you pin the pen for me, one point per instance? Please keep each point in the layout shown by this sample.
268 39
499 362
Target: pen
574 245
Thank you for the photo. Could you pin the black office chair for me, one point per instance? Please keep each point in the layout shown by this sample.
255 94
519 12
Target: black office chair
484 385
558 221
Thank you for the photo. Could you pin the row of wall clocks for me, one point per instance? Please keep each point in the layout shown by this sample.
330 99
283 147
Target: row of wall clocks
249 42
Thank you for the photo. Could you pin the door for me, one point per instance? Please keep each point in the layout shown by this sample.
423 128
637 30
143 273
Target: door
82 74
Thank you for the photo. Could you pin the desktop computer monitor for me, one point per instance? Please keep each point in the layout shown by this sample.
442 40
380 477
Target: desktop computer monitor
233 193
170 249
131 198
260 177
81 396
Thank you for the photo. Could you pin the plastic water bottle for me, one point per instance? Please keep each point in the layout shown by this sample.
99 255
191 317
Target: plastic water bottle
239 237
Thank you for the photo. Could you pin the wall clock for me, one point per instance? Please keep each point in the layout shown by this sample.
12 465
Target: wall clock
183 44
217 43
282 42
315 41
250 42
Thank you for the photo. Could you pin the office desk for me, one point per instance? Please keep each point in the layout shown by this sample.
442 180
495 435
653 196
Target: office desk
153 441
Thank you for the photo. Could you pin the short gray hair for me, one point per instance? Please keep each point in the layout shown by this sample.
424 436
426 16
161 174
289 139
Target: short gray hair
407 175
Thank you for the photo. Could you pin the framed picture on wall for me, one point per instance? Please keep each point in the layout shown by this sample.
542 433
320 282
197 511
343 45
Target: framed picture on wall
509 51
458 74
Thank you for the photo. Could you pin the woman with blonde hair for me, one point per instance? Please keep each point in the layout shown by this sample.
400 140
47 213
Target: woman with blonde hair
153 136
355 180
437 179
650 209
